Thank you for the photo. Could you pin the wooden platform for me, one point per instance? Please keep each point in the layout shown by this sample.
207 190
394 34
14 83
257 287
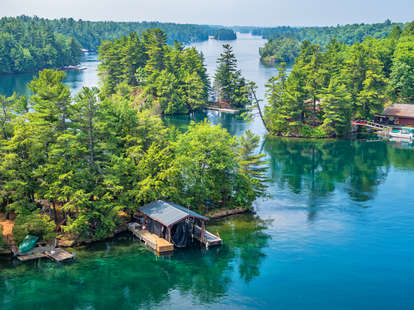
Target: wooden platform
209 239
156 243
58 254
35 253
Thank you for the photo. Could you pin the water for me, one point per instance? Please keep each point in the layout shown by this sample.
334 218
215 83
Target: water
336 233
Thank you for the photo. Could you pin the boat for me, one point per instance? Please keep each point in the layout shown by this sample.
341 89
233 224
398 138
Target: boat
28 243
402 133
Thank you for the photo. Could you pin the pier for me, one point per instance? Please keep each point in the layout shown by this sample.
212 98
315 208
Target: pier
154 242
57 254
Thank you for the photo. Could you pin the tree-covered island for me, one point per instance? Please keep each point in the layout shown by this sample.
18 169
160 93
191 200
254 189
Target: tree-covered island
75 166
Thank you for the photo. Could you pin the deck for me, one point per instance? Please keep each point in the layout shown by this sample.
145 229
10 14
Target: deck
156 243
209 239
57 254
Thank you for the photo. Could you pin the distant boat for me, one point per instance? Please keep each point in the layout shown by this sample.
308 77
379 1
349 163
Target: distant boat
402 133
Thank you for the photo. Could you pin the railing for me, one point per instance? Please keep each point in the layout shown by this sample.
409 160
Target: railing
370 124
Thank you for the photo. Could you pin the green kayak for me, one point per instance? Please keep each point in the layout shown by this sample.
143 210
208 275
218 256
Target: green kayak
28 243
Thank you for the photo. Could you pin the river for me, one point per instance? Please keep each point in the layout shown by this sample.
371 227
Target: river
337 232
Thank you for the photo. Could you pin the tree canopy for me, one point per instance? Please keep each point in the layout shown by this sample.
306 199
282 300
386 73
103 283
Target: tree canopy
156 76
229 84
327 87
74 164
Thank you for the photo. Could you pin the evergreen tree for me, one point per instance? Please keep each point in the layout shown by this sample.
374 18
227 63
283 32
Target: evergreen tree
229 85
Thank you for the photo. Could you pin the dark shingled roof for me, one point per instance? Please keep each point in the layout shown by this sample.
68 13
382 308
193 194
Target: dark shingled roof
168 213
400 110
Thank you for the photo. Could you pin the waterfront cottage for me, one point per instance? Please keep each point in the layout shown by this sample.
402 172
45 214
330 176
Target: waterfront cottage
397 114
165 225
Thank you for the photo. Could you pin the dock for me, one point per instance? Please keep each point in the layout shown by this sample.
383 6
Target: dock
57 254
209 239
154 242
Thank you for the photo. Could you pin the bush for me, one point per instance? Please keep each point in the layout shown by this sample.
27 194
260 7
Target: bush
319 132
35 224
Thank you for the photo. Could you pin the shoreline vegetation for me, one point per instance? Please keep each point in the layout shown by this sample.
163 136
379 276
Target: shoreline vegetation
327 88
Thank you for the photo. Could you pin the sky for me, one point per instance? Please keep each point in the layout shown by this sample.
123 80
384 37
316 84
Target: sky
219 12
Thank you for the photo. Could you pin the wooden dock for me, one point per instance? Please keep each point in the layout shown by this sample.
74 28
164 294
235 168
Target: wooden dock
156 243
209 239
57 254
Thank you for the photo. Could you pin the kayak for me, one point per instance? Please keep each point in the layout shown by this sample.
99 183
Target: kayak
28 243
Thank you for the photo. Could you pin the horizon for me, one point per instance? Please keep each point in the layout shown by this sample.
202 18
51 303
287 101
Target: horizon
227 13
210 25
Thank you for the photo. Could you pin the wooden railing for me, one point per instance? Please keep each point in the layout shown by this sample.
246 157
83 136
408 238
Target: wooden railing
370 124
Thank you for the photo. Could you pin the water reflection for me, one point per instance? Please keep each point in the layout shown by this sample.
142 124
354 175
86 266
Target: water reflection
318 167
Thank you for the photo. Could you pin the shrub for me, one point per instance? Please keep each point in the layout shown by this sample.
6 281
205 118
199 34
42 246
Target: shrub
35 224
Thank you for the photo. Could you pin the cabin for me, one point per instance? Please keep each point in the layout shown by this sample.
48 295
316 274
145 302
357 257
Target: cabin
164 225
398 115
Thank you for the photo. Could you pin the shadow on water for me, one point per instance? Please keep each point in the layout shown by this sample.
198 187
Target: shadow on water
121 273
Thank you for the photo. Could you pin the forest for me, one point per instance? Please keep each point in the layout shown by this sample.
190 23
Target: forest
168 79
327 87
284 42
76 164
28 44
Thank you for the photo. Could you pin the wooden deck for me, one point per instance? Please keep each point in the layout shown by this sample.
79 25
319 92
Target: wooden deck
156 243
209 239
57 254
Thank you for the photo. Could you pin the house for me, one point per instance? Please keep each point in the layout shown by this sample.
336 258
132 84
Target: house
397 114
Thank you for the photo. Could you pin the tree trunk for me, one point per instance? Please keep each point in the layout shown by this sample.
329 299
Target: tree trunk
260 110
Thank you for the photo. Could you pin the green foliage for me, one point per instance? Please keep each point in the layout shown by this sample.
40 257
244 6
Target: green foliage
229 85
33 224
326 89
402 75
252 165
205 157
348 34
27 45
165 79
224 34
279 50
283 44
213 169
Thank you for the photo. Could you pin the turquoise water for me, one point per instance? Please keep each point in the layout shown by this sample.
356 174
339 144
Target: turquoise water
336 233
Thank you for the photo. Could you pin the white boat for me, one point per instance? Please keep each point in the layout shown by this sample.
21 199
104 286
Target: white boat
402 133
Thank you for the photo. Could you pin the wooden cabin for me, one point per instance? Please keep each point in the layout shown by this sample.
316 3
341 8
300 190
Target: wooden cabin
165 225
398 115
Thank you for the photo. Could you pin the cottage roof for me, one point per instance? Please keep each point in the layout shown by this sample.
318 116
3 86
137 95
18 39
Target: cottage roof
400 110
168 213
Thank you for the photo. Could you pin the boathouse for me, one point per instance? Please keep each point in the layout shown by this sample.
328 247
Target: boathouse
164 225
397 114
